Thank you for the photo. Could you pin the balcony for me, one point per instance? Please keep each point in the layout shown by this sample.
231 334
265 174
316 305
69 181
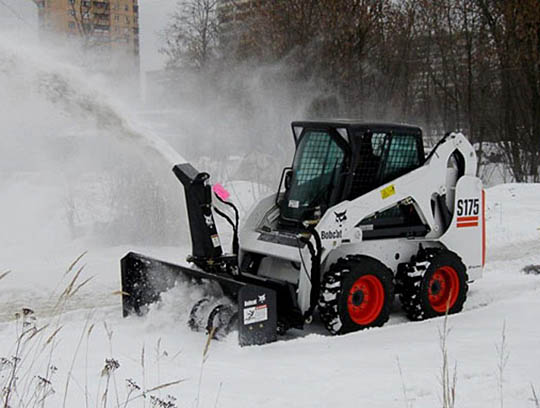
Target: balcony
102 5
100 16
102 28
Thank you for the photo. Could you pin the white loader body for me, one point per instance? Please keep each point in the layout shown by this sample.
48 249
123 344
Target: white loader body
342 232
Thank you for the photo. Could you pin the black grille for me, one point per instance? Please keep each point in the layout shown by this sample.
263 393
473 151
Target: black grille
383 157
321 156
365 176
402 157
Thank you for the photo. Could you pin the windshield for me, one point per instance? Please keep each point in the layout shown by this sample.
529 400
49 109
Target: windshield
316 170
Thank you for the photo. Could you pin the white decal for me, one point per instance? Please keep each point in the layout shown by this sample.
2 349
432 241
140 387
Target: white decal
468 206
255 314
215 241
250 302
337 234
294 204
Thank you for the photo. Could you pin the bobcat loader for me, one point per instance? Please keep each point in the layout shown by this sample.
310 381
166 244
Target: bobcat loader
361 215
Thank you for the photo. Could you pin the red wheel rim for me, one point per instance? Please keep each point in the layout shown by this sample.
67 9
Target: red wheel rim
365 300
443 289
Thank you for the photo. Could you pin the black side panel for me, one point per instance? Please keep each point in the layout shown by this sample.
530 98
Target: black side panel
204 237
445 212
396 232
289 314
257 320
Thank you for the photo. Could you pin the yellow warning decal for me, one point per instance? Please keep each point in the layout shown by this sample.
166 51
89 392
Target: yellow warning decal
388 191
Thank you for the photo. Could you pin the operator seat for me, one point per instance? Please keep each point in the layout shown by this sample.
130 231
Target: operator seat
367 169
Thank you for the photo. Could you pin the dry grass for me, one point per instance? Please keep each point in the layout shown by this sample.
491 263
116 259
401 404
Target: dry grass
403 388
4 274
205 356
535 397
502 361
29 377
448 378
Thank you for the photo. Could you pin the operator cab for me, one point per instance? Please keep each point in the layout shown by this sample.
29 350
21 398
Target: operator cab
336 161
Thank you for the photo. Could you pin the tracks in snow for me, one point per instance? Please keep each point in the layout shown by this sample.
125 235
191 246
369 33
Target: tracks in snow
502 280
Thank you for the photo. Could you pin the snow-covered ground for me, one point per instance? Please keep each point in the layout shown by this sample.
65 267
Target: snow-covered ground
305 369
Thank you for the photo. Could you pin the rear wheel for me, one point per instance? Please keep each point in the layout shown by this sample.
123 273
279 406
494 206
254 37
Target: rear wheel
432 284
356 293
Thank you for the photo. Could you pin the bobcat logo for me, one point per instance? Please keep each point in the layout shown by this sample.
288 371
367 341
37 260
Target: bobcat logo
341 217
262 298
338 232
209 221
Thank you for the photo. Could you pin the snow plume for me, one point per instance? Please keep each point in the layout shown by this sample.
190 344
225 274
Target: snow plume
73 92
238 115
82 161
75 163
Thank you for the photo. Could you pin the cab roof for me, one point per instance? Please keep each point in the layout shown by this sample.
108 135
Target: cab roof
352 125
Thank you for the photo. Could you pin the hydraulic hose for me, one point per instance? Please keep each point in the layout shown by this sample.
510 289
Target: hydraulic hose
234 225
315 252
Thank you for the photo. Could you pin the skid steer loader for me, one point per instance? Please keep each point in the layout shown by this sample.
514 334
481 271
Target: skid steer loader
361 215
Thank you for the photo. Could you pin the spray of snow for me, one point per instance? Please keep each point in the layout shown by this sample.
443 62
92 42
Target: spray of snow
79 171
32 72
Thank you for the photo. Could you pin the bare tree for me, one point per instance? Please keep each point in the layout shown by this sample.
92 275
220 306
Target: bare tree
513 27
192 36
471 65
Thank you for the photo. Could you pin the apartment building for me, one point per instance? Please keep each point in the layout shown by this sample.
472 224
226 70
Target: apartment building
234 11
110 26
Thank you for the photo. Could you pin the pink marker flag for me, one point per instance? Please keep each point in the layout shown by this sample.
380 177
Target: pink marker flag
221 192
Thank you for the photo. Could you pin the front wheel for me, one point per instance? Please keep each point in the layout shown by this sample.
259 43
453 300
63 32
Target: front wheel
356 293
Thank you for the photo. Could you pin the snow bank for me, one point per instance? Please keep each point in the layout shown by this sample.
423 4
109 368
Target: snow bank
513 215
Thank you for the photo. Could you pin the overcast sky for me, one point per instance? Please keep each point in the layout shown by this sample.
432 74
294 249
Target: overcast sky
153 15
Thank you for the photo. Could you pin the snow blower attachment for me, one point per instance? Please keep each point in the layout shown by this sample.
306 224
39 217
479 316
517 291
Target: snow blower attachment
361 215
145 278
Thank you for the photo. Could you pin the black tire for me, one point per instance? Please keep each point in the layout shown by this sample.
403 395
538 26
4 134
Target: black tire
428 284
367 283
